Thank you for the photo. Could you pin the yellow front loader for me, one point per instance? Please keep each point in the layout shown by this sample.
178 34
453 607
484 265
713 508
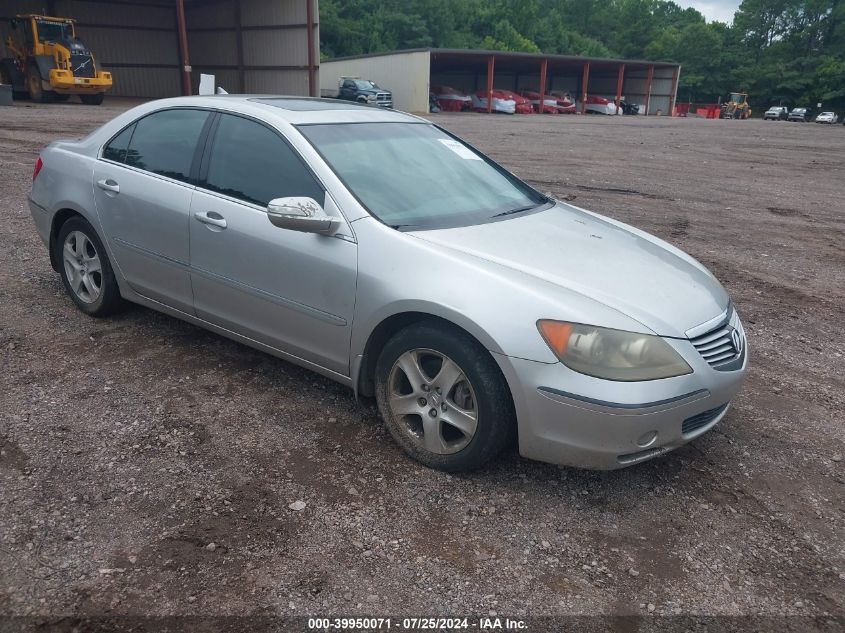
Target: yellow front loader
50 63
736 107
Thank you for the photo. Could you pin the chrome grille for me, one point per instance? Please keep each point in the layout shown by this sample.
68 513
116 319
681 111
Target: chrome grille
694 423
722 345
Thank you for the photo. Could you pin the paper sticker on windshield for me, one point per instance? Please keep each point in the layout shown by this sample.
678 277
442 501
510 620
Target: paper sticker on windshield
461 150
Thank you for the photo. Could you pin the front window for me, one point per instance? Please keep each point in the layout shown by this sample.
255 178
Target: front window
50 31
365 84
252 163
415 176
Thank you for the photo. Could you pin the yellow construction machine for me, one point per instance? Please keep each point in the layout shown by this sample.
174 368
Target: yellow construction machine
50 63
736 107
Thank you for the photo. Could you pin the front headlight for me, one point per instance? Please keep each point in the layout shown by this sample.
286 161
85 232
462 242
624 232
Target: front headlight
612 354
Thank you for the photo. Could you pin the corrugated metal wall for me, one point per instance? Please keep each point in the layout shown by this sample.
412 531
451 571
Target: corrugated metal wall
406 75
253 45
139 42
636 82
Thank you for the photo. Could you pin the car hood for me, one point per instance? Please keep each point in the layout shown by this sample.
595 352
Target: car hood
628 270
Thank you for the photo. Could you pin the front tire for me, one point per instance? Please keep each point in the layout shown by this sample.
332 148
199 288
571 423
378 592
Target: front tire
443 398
94 99
85 269
36 88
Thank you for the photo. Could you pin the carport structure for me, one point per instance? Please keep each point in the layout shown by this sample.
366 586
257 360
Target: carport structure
158 48
410 73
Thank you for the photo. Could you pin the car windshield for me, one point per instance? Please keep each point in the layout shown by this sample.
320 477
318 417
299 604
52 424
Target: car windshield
826 114
49 31
365 85
416 176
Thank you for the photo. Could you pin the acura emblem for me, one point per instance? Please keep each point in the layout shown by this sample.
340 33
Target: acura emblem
736 339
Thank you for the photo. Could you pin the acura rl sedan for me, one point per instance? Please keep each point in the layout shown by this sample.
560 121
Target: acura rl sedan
381 251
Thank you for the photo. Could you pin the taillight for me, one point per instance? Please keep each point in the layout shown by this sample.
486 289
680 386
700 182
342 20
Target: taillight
38 165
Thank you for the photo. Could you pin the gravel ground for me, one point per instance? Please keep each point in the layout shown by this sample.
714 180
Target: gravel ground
149 468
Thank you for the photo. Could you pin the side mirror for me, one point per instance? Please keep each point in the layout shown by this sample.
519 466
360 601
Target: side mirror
301 214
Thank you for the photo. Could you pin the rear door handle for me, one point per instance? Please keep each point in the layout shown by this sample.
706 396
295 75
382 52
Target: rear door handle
108 185
206 218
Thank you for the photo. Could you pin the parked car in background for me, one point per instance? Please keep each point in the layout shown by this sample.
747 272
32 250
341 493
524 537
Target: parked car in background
799 114
776 113
363 91
827 117
629 108
383 252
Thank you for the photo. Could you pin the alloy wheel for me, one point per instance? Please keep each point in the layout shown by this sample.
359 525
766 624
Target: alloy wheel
433 401
82 267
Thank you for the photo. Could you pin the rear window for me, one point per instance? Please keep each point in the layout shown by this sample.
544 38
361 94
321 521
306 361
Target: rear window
164 142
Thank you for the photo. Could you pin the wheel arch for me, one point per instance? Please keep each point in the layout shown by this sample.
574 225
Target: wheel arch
59 218
364 365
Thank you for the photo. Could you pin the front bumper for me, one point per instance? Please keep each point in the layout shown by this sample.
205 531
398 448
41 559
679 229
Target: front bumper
64 82
575 420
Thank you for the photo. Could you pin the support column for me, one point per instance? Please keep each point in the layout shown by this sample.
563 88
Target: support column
585 81
674 96
544 68
183 47
648 83
239 43
312 68
620 78
491 67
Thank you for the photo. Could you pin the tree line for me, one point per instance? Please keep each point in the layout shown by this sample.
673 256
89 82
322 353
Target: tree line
789 52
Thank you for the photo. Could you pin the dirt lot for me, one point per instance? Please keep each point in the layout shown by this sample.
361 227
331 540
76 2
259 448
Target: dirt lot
147 466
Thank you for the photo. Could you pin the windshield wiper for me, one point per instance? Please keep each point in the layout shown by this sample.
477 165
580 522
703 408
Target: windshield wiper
513 211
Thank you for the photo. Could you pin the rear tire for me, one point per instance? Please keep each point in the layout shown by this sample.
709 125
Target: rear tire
85 269
458 413
95 99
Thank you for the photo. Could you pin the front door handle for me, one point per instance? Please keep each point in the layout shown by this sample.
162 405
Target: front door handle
212 218
108 184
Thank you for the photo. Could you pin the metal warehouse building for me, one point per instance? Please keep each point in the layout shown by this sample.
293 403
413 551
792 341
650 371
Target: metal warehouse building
158 48
408 74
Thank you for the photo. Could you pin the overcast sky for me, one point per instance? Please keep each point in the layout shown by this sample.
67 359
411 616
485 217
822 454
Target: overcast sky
721 10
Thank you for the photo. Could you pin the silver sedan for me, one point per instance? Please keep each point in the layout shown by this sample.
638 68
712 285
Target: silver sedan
383 252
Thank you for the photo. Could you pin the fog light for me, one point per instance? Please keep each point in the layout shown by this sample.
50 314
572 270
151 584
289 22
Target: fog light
647 439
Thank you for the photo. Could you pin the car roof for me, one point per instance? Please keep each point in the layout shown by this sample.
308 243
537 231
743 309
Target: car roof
291 109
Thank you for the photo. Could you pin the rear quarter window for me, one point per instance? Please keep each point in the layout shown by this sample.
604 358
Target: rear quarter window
116 148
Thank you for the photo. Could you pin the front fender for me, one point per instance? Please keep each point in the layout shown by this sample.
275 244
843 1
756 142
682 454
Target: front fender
499 306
